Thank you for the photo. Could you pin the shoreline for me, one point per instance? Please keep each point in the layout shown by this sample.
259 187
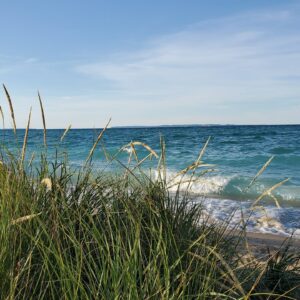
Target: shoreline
263 246
271 240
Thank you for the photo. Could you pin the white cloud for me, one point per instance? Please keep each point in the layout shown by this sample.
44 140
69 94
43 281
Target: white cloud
237 69
229 61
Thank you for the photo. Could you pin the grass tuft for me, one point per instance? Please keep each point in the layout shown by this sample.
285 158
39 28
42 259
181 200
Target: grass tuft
81 234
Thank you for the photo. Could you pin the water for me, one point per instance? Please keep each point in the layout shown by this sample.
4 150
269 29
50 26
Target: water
237 152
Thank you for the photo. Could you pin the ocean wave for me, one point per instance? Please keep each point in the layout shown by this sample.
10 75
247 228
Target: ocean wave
231 187
270 219
193 184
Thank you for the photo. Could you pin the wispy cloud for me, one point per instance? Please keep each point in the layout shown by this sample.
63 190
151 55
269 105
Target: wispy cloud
10 64
243 68
222 62
31 60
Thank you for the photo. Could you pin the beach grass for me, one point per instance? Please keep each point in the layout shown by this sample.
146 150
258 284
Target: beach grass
81 234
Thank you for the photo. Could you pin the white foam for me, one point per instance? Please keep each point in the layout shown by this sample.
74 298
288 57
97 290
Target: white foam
196 185
270 219
128 149
282 221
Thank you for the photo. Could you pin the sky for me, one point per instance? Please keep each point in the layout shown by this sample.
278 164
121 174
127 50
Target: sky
151 62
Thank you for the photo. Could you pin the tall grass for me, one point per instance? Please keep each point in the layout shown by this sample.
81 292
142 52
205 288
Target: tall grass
73 234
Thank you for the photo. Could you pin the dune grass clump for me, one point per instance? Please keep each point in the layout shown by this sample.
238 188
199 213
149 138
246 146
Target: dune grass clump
89 238
94 239
80 234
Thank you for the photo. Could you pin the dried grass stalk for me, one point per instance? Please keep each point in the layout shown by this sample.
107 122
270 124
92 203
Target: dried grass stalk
25 140
198 161
106 154
65 132
203 150
137 143
260 172
3 123
44 120
31 159
269 191
25 218
275 200
2 116
97 141
11 109
193 166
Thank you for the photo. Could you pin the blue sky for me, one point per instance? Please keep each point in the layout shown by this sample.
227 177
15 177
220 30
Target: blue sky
151 62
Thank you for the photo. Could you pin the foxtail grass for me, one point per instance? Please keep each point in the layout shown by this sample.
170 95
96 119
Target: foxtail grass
97 141
264 167
65 133
43 119
2 117
25 140
11 109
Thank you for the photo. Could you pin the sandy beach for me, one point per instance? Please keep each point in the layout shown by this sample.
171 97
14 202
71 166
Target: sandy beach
261 245
271 240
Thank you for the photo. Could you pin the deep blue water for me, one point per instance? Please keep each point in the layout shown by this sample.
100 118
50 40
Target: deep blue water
238 153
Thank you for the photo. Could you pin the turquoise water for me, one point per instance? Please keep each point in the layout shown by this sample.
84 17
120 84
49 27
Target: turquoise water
237 152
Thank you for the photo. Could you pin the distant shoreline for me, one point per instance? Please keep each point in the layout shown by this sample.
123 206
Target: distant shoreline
165 126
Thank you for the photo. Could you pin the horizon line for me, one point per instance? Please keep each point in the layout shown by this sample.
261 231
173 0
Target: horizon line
156 126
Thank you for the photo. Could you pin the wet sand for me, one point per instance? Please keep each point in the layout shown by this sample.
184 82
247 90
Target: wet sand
271 240
261 245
